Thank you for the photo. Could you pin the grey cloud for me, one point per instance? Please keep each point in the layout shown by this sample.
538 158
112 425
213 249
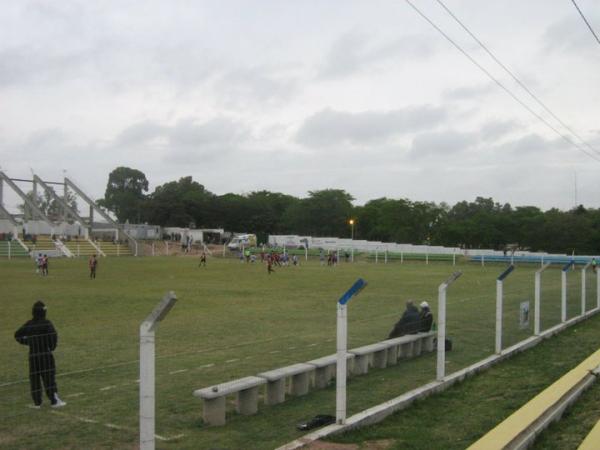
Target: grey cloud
330 127
570 35
468 92
256 84
187 139
140 133
532 144
497 129
354 51
441 143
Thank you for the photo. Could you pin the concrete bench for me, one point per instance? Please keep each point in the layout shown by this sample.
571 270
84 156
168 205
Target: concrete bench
325 368
377 352
214 398
300 375
409 346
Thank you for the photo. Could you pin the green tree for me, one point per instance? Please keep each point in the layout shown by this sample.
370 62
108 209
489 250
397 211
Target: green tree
124 194
182 203
48 205
323 213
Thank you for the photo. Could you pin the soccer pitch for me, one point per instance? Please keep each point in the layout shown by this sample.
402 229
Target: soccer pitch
233 320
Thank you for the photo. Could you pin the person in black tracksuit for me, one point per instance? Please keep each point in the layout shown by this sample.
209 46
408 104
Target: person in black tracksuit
41 337
409 323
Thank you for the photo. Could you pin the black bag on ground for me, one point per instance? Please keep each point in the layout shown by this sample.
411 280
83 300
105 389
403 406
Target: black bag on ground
448 345
317 421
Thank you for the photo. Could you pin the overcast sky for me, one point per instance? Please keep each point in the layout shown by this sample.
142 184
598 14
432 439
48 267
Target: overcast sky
293 96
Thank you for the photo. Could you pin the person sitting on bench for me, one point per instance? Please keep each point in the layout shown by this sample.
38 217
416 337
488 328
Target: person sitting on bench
409 323
426 317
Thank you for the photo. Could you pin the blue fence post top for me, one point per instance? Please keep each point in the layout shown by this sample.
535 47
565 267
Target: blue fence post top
567 265
506 273
355 289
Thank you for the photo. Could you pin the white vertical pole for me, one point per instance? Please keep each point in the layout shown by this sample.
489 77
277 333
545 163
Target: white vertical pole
499 293
305 253
340 390
563 296
351 255
9 249
78 250
147 370
482 261
441 334
583 271
427 257
118 250
538 295
454 257
401 257
224 247
147 399
376 256
542 263
167 247
385 260
597 288
153 249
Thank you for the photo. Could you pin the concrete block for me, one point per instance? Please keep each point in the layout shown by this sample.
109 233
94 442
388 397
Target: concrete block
214 411
300 383
380 358
247 401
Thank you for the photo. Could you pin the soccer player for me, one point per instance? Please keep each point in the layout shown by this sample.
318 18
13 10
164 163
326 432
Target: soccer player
202 259
93 264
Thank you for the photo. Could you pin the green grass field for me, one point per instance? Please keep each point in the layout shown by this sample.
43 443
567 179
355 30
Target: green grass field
231 320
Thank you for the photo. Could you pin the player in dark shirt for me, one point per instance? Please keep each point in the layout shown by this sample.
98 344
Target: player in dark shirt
41 338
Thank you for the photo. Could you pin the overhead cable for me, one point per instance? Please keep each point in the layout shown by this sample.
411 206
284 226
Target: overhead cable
586 21
514 77
504 88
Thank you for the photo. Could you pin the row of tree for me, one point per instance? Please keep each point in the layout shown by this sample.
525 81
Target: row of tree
482 223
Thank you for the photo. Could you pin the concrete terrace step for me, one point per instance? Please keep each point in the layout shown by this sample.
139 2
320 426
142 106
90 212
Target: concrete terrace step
15 249
111 249
80 247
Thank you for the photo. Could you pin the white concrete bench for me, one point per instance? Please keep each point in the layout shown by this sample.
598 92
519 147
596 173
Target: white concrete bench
409 346
300 375
325 368
377 352
214 398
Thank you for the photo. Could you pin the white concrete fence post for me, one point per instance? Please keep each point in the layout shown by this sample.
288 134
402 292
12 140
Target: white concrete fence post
563 292
342 344
538 299
441 331
583 286
376 257
499 305
9 250
147 370
597 288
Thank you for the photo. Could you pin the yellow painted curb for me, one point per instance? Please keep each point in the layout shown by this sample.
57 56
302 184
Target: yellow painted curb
508 430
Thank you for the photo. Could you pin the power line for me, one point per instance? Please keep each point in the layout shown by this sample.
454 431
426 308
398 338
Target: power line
517 80
586 22
504 88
